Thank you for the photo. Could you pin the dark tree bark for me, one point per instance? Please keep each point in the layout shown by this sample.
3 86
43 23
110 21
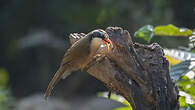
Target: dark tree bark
140 73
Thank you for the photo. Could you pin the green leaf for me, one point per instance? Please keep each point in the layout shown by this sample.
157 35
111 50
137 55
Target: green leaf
4 77
192 41
123 108
145 32
188 98
114 97
117 98
182 102
179 54
6 99
171 30
180 69
185 63
187 85
192 106
172 60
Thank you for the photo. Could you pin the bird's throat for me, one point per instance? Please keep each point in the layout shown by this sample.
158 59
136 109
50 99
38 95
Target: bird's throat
95 45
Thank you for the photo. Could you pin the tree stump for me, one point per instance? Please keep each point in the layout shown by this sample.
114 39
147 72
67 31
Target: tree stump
140 73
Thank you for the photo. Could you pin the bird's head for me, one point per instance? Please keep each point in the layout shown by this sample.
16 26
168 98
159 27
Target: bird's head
101 34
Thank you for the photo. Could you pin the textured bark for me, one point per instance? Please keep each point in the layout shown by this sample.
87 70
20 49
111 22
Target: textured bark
140 73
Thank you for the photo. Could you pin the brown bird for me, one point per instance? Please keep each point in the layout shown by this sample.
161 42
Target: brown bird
79 55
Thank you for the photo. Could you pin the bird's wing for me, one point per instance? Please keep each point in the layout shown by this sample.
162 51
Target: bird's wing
54 81
79 49
70 62
67 58
63 72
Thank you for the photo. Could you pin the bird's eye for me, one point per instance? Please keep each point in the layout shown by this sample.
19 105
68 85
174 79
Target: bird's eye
96 34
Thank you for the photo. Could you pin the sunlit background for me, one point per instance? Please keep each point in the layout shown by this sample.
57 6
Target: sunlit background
34 36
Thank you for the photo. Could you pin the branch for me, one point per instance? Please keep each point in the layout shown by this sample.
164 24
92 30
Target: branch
138 72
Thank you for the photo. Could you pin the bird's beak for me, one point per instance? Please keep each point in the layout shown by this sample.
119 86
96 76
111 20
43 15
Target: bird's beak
106 42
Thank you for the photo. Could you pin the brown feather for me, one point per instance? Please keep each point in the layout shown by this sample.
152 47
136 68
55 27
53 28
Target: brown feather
73 60
54 81
76 57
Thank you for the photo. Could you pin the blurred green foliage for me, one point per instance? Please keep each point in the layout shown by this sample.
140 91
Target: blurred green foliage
182 102
124 108
4 77
171 30
117 98
145 32
182 69
6 99
187 93
148 32
187 85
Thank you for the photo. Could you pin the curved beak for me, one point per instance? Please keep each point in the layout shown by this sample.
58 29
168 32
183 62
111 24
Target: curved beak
108 42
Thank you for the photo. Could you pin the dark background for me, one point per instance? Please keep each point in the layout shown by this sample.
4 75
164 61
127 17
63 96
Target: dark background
34 36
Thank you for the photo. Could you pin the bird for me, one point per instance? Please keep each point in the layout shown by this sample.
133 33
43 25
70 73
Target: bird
79 55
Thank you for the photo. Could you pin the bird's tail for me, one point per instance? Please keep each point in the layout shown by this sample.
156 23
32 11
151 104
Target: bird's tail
54 81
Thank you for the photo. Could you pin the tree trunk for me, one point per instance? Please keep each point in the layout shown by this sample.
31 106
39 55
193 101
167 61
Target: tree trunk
140 73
